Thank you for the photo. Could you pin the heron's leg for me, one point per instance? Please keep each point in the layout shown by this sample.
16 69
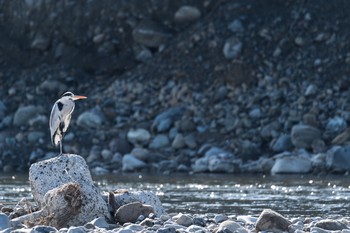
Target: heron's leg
61 148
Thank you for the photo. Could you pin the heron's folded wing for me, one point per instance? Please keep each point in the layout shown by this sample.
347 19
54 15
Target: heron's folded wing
55 119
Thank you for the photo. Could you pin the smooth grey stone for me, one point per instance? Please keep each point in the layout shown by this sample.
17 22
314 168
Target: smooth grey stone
159 141
232 48
4 221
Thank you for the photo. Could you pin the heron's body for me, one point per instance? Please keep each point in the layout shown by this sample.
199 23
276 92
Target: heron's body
60 117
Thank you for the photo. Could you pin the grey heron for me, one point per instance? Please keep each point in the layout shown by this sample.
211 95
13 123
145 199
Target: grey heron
61 115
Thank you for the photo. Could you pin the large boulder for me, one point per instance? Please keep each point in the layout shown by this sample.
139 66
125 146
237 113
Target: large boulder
272 221
304 135
291 165
64 182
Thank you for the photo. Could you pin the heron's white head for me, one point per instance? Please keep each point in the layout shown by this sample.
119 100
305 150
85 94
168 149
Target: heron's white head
71 96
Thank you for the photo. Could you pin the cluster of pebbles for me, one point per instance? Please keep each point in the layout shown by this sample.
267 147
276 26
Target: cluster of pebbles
268 221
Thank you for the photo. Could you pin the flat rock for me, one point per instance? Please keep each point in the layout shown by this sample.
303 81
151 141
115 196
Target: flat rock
291 165
230 226
131 212
304 135
47 177
123 197
331 225
272 221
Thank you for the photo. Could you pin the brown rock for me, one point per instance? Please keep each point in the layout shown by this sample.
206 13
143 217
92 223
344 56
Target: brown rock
272 221
130 212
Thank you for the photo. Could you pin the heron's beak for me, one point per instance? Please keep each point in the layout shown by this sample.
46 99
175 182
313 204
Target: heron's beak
78 97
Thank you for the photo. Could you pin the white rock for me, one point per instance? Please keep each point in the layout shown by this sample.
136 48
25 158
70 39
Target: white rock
138 136
187 14
123 197
291 165
45 176
131 163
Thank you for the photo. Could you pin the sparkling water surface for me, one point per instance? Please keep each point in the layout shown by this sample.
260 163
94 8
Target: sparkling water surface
290 195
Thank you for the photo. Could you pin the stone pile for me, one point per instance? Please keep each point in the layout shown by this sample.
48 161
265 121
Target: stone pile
64 192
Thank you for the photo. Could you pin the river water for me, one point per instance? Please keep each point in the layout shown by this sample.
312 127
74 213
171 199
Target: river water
290 195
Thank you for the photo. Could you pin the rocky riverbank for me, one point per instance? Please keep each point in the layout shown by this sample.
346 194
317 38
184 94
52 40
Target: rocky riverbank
191 86
66 200
268 221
